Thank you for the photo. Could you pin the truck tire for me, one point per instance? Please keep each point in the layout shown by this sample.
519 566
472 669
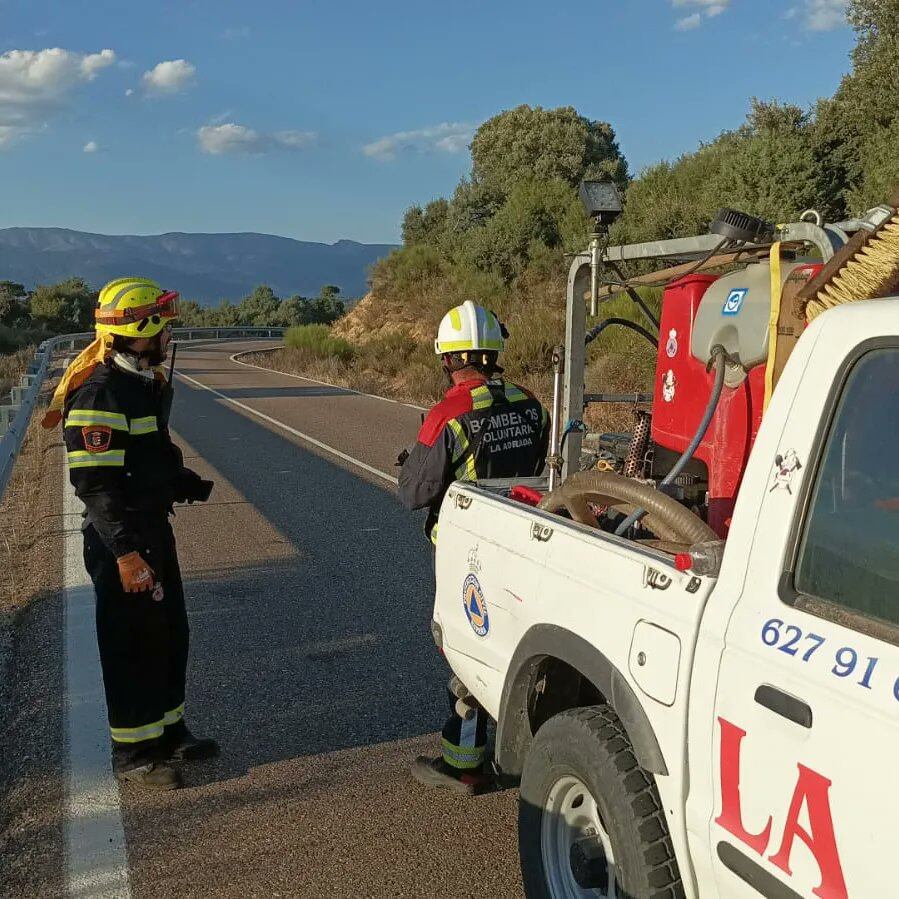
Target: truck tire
590 822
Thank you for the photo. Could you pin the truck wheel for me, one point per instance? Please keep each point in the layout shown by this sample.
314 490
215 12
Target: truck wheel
590 822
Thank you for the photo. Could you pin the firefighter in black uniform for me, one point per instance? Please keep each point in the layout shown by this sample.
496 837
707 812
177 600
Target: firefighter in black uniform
114 402
483 428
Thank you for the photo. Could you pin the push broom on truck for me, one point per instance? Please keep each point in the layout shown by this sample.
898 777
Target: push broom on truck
689 636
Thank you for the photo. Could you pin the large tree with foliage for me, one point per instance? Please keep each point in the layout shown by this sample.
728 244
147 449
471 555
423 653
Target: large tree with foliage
13 298
532 143
68 305
856 130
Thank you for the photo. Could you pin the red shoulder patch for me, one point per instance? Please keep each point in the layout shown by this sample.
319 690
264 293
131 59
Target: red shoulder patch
456 403
97 438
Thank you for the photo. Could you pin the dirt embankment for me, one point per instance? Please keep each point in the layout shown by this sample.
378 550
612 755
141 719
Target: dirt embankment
392 335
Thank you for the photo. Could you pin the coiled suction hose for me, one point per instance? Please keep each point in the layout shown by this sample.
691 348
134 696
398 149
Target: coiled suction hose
719 355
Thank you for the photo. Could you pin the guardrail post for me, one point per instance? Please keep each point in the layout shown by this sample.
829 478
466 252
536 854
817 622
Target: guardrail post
7 414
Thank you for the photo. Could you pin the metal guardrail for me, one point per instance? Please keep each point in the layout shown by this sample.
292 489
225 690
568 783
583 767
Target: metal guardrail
15 417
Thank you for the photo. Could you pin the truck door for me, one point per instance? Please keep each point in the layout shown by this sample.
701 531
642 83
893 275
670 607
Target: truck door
805 736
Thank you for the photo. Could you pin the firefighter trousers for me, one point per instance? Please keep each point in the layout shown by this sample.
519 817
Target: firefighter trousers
464 740
143 640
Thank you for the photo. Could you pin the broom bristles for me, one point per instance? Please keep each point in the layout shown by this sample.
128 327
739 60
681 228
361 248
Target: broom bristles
870 273
867 268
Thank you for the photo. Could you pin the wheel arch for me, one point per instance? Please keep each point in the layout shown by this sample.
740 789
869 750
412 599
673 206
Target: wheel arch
545 642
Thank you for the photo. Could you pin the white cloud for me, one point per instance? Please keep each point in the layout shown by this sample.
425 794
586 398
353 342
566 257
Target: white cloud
169 77
821 15
35 84
91 146
129 92
293 140
229 137
704 9
688 23
448 137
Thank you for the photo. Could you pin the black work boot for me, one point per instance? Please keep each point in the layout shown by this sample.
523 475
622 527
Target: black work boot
435 772
139 764
180 745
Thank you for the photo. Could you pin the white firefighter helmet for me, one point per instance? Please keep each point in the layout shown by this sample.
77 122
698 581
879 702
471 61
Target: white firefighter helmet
469 327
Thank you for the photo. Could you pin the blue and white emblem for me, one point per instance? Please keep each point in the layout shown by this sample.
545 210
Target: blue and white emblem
475 606
734 302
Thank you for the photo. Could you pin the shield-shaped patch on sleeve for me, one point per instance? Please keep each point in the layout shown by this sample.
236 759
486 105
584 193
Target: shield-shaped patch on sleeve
97 438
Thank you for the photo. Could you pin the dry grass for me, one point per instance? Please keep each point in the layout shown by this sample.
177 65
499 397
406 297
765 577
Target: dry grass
31 542
12 367
391 333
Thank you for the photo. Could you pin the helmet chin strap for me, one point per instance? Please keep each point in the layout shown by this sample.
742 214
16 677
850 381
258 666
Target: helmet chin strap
150 357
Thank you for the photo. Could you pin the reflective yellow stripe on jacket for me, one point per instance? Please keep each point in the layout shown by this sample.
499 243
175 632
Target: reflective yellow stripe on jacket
145 425
462 457
481 397
108 459
84 418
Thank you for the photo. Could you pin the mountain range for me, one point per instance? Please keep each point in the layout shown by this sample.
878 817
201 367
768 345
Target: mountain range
203 267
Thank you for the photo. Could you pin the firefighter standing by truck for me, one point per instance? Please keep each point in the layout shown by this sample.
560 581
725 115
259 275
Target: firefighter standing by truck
483 428
114 402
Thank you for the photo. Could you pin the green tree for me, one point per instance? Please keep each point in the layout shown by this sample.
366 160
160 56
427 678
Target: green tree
529 221
67 305
292 311
425 225
260 307
532 143
326 307
13 300
856 124
191 314
225 315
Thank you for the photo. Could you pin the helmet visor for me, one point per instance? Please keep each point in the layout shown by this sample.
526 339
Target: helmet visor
165 306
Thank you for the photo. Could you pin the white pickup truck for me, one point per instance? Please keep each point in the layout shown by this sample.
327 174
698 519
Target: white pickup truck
682 735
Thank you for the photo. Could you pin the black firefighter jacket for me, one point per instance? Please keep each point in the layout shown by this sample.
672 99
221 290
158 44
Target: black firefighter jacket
122 461
481 429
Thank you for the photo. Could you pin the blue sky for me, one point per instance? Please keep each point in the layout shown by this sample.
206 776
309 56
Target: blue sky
325 120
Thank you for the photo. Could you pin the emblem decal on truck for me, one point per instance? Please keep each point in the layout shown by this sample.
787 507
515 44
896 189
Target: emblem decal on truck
473 596
475 606
785 467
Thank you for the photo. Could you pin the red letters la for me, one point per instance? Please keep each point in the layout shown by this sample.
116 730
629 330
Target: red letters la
811 791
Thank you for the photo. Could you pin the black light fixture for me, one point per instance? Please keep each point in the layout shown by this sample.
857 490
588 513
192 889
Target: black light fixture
601 201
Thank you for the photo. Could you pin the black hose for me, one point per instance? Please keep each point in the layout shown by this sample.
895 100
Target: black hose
635 297
720 357
593 333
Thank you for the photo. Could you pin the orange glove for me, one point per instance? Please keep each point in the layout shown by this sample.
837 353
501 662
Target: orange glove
135 573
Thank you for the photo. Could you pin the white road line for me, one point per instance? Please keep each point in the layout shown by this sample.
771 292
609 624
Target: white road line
305 437
373 396
96 860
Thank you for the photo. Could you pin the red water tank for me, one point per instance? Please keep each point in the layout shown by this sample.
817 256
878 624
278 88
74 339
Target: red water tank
738 310
682 390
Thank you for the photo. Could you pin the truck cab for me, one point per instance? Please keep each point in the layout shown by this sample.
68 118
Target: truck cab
677 733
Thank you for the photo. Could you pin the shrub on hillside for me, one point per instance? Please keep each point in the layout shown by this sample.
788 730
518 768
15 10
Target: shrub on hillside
318 342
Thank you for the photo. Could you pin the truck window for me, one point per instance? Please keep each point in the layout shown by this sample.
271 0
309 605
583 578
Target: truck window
849 547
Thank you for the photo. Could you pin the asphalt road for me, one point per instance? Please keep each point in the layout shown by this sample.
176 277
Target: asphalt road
309 592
